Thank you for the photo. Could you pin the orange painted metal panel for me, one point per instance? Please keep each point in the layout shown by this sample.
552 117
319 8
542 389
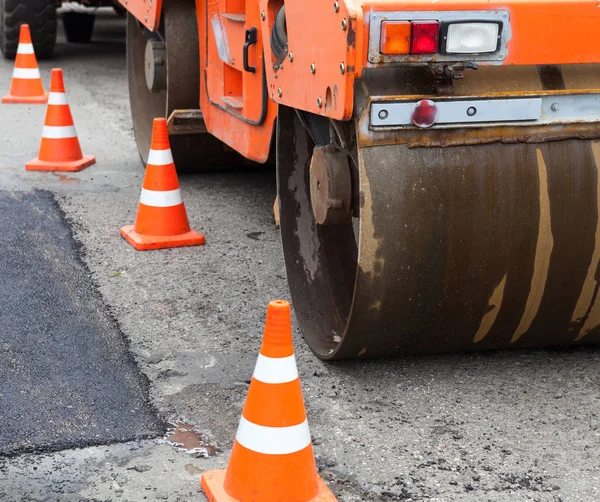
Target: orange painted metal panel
319 76
327 43
146 12
234 102
543 31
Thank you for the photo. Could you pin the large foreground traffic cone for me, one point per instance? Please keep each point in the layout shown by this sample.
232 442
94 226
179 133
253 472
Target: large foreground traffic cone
60 149
272 458
161 220
26 85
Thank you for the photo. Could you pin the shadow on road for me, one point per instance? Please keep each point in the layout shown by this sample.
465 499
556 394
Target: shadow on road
108 39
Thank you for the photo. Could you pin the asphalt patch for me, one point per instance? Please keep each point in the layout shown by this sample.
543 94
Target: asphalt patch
67 378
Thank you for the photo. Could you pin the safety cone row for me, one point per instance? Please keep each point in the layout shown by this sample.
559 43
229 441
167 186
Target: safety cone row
161 220
26 85
272 458
59 149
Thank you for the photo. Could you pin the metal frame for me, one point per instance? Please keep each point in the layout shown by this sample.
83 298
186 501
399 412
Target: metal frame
498 16
457 112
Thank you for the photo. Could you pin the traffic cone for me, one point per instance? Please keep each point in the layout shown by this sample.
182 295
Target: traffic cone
272 458
60 149
26 85
161 220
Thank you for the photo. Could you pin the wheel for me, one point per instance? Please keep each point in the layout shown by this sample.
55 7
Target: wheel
79 27
279 39
119 9
164 75
40 15
450 248
321 260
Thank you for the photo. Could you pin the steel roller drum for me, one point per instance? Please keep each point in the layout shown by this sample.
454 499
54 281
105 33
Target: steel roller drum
467 240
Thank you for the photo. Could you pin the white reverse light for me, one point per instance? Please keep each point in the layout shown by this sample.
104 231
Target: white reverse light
472 38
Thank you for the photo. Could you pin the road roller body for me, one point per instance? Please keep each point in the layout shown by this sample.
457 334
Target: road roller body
437 162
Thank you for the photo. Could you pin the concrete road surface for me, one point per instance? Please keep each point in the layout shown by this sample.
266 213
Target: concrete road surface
504 426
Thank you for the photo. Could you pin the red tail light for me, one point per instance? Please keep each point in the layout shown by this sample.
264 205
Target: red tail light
425 37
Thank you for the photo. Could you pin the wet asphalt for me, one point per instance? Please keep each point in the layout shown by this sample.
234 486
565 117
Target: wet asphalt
67 378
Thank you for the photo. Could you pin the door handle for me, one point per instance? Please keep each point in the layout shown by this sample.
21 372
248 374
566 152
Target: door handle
251 39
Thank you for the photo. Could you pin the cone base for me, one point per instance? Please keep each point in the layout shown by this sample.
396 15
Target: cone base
34 100
73 166
147 242
212 485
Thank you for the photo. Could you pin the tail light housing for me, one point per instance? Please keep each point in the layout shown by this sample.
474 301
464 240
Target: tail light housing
404 37
438 36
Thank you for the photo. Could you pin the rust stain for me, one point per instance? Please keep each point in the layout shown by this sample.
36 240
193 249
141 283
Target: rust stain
376 304
590 286
467 136
494 306
351 38
370 260
543 252
499 79
184 437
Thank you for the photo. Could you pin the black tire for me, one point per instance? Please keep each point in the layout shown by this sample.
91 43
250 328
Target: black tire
40 15
279 38
119 9
79 27
191 152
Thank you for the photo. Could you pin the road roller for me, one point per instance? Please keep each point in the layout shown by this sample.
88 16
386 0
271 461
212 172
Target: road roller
437 161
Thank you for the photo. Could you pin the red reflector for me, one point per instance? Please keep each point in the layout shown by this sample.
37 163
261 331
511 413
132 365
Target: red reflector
425 113
425 37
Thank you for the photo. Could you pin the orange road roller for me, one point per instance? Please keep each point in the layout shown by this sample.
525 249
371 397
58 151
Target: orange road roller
437 162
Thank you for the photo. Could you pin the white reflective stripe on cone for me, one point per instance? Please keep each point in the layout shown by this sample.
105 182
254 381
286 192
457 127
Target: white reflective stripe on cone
26 73
57 98
59 132
157 198
25 49
273 440
160 157
276 369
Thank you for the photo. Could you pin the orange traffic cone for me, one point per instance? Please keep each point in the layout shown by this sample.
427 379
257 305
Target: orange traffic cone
60 149
161 220
26 85
272 458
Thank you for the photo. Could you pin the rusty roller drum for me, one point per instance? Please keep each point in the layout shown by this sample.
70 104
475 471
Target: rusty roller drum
476 239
